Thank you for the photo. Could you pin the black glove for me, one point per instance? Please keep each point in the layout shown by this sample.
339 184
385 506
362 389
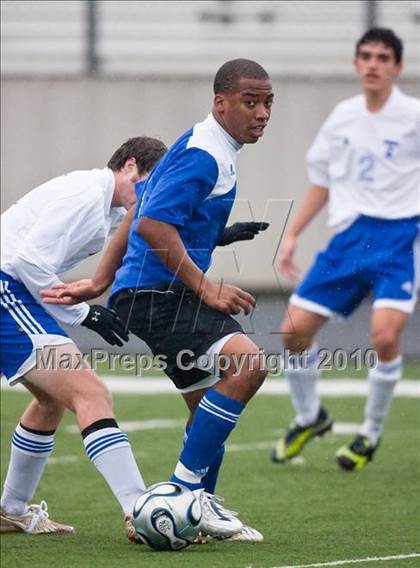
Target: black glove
241 232
107 324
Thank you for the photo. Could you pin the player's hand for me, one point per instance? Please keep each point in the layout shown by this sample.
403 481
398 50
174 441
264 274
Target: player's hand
285 262
228 299
241 232
107 324
72 293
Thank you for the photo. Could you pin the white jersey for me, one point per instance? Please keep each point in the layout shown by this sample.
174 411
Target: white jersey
370 162
56 226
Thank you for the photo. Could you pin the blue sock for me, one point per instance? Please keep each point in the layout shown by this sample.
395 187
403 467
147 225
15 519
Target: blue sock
209 481
214 419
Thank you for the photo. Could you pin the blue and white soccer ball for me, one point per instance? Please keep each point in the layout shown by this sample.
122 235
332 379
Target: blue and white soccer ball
167 516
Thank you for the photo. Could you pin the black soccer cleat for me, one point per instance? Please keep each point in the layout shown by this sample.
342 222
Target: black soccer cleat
296 437
357 454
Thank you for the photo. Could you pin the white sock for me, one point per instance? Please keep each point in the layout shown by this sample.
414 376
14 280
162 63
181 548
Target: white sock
28 457
109 449
381 384
302 374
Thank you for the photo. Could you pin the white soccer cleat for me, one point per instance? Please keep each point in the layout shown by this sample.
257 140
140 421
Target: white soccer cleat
246 534
216 521
35 521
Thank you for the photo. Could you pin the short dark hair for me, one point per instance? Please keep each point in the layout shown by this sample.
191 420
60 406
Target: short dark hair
146 151
228 76
385 36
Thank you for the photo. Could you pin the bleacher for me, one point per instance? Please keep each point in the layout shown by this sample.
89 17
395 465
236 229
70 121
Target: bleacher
309 38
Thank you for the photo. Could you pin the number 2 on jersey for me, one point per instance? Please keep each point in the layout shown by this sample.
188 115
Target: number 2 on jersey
366 164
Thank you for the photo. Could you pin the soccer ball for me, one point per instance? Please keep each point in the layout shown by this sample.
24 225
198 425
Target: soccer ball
167 516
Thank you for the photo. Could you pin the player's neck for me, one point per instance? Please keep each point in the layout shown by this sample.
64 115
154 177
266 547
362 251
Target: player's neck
376 100
237 145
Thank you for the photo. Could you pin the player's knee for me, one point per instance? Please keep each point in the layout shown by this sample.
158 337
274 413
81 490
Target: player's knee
293 339
255 375
384 339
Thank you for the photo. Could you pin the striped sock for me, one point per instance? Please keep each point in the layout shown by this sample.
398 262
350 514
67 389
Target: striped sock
109 449
214 419
29 454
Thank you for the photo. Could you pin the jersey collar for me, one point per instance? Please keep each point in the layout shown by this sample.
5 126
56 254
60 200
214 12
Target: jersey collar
230 140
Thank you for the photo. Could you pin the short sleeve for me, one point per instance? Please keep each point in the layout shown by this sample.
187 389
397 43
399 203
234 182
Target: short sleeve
186 182
317 157
63 227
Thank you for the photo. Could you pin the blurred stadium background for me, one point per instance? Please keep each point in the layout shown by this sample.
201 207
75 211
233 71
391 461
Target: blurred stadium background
79 77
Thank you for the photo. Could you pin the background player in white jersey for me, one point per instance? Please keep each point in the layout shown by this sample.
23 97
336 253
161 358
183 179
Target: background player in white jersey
365 161
49 231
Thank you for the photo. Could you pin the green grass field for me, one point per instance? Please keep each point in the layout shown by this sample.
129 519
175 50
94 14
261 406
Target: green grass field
309 513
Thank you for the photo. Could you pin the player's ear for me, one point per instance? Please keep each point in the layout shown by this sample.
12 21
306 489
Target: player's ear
398 68
219 102
130 164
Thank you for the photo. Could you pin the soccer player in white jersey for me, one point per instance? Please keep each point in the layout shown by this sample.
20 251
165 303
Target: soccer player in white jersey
365 161
49 231
162 293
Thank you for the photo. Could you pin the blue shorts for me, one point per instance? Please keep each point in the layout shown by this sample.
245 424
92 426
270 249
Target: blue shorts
373 256
25 328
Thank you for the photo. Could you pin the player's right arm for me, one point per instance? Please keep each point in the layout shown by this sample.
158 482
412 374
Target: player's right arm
317 163
314 201
165 241
170 206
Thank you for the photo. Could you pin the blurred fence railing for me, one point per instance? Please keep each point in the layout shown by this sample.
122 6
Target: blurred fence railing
314 38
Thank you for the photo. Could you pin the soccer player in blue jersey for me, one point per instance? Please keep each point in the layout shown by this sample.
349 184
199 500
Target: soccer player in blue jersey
49 231
365 161
163 294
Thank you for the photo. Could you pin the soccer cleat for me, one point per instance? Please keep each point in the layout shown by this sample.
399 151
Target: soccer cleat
216 521
357 454
131 531
296 437
35 521
246 534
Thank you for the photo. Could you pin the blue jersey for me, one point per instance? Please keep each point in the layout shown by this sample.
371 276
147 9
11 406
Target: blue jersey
192 188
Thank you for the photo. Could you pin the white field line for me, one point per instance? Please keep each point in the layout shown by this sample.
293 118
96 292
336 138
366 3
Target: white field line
63 460
170 423
355 561
327 387
343 428
141 425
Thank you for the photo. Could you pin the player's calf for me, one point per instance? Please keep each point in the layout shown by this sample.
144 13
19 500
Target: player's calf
106 445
